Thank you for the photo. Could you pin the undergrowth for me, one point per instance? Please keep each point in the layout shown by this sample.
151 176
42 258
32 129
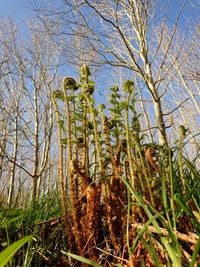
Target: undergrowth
121 201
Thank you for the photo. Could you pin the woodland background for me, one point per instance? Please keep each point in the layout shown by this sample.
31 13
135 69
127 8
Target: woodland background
57 42
99 117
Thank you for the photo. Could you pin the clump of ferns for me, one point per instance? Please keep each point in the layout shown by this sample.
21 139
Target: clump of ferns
101 148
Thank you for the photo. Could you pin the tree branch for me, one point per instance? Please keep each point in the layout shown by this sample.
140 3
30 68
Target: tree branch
180 105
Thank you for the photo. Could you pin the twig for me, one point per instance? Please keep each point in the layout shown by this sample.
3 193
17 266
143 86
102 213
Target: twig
118 258
191 237
18 165
155 127
166 114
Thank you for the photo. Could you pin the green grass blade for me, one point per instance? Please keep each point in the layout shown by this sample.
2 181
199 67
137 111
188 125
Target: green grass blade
195 254
183 205
142 230
182 202
192 168
150 248
82 259
172 201
9 252
164 192
173 255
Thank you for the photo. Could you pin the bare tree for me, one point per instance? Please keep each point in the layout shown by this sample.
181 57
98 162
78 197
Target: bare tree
123 34
27 91
37 76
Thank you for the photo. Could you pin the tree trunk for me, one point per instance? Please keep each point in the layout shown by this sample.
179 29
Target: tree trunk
36 148
157 104
14 158
160 122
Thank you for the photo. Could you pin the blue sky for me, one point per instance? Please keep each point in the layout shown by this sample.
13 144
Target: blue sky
18 11
15 9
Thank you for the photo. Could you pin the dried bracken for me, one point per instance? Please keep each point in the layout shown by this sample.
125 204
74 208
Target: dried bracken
150 156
